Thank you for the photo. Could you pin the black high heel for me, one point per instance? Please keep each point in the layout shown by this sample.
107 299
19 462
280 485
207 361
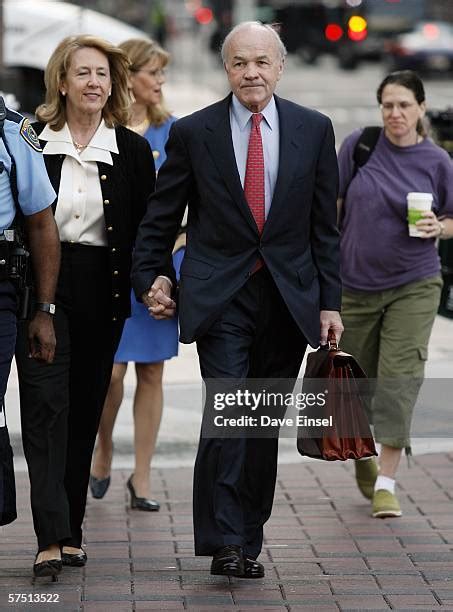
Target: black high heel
141 503
99 486
49 568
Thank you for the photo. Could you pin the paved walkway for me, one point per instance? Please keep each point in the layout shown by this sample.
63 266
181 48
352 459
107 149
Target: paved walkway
322 550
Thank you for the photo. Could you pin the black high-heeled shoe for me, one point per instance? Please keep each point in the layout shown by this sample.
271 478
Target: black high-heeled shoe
141 503
99 486
48 568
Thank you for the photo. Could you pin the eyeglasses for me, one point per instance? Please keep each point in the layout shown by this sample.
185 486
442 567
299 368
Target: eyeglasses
158 72
388 107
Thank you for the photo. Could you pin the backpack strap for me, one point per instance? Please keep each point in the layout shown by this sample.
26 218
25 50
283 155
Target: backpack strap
365 146
362 152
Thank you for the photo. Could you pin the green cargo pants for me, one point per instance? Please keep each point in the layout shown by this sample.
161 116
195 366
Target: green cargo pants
388 333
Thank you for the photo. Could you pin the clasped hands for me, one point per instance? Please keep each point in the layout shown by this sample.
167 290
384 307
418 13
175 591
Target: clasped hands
158 301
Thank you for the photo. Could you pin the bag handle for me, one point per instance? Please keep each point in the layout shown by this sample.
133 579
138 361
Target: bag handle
332 341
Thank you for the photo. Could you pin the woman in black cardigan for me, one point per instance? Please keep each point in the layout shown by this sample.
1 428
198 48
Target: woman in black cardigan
103 174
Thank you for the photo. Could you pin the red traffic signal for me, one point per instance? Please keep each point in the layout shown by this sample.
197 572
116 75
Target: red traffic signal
333 32
203 15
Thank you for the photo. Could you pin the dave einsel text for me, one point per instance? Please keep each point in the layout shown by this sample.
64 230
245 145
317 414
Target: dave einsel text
33 598
266 421
253 400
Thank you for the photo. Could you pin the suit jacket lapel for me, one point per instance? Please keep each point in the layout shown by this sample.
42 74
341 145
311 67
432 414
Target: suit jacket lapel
289 155
220 145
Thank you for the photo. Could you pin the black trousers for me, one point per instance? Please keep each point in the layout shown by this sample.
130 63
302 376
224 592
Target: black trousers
8 307
61 403
234 478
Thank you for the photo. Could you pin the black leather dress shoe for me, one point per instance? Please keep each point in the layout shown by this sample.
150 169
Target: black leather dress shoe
51 568
141 503
228 561
253 569
74 560
99 486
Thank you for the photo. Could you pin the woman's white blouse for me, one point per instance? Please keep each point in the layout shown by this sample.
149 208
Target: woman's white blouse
80 213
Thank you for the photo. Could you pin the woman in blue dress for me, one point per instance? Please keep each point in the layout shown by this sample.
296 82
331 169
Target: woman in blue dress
145 341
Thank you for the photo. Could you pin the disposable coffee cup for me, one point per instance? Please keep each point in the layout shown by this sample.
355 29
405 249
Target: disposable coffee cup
417 204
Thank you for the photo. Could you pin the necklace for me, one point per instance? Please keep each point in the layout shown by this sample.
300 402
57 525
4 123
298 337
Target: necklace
140 128
79 147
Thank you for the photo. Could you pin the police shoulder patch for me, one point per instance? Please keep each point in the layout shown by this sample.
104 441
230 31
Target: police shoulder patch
30 136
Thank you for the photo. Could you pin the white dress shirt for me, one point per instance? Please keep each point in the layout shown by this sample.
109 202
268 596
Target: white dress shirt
80 214
241 124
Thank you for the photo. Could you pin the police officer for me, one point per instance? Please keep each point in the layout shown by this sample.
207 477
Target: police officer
26 195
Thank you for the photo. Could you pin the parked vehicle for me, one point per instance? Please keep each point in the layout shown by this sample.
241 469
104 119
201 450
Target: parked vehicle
32 30
428 48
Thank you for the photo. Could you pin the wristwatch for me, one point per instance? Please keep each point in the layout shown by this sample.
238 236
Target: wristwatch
46 307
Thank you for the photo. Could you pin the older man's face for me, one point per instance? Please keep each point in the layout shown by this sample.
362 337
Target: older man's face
253 65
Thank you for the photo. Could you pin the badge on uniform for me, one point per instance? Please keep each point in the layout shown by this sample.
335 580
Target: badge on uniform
30 136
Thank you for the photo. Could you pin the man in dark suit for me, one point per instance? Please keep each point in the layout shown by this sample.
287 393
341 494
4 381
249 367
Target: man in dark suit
260 277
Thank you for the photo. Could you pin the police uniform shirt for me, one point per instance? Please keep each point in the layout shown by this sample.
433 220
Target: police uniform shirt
80 213
35 192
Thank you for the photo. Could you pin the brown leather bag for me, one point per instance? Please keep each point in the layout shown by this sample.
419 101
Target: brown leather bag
350 436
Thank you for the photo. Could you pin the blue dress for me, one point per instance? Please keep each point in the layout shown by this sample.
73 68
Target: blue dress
144 339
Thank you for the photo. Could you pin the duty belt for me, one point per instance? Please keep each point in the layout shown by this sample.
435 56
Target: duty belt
13 257
4 257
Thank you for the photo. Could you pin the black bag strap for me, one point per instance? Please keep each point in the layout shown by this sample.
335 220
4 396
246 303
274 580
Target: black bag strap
365 146
363 150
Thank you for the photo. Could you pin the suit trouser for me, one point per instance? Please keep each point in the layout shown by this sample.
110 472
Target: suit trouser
234 479
61 403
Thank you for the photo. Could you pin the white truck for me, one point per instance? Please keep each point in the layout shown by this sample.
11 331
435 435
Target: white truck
31 31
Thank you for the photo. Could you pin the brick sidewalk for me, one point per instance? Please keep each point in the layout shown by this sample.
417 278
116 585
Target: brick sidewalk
322 550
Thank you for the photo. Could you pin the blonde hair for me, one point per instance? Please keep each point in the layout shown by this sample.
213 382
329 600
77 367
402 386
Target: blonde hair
117 108
139 52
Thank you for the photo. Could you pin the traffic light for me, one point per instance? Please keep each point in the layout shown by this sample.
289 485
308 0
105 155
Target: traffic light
333 32
357 28
203 15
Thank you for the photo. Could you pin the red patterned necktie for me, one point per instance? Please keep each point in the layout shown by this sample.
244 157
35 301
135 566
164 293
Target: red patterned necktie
254 173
